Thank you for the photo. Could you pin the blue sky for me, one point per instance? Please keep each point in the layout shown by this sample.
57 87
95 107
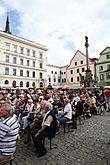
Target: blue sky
61 25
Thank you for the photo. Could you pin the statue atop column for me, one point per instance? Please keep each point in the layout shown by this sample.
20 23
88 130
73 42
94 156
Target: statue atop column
88 80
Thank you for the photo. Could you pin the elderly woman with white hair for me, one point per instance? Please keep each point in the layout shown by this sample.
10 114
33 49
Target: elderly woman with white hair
48 129
9 129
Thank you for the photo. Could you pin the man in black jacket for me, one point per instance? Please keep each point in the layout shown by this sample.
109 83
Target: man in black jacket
48 129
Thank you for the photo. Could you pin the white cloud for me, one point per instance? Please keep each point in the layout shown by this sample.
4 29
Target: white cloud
58 22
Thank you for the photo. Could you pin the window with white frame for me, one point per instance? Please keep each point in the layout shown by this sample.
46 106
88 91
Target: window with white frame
6 71
14 60
108 76
21 50
59 80
15 48
49 79
41 65
77 79
64 80
7 46
21 61
71 71
27 73
28 63
81 61
108 56
77 70
71 79
101 77
34 63
108 66
21 83
33 84
100 67
33 74
6 82
14 72
40 75
33 53
21 72
7 58
28 52
83 70
41 55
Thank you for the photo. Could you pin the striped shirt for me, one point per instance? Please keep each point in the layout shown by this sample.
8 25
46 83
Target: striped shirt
9 129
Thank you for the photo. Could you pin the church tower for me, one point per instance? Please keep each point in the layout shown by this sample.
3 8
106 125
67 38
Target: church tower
7 26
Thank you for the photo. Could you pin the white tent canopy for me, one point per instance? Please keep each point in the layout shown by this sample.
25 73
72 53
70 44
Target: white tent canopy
107 87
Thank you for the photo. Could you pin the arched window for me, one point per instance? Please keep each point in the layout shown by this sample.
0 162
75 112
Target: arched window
21 83
41 84
27 84
33 84
14 84
6 82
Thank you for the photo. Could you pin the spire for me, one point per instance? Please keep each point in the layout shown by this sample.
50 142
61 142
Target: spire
7 27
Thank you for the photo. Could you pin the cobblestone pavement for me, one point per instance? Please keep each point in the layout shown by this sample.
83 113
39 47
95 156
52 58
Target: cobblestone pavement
85 146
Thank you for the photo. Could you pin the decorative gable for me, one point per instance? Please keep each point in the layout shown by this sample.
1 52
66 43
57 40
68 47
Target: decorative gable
77 58
105 51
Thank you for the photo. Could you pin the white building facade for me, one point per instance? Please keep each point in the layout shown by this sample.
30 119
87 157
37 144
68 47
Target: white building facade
53 75
56 75
63 75
23 63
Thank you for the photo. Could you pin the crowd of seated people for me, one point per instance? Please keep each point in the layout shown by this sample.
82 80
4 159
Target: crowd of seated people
41 113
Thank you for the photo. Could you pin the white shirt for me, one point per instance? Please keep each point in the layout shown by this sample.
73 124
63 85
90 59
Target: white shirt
68 109
48 121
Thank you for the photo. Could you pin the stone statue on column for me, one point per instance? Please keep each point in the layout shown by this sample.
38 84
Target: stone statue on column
88 80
